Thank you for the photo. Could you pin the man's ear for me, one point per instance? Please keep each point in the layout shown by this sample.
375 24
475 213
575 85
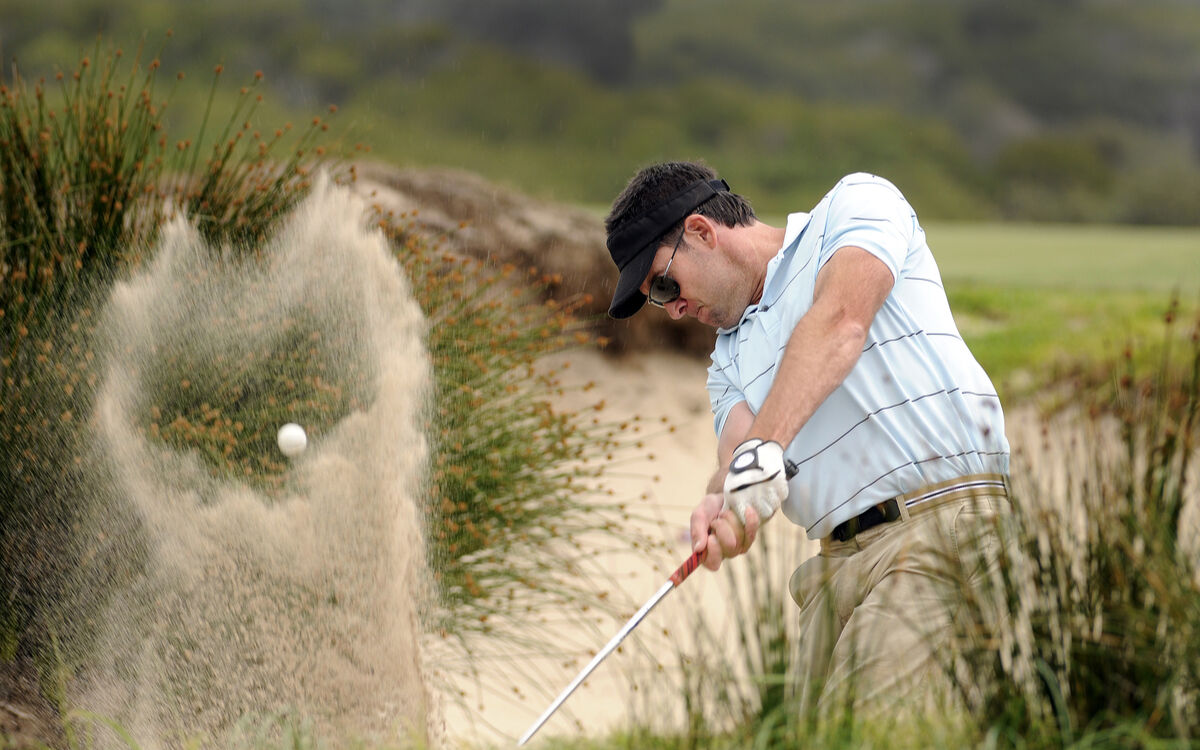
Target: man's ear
702 228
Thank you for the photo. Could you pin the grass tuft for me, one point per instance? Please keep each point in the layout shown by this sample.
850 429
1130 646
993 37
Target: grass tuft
514 487
1100 585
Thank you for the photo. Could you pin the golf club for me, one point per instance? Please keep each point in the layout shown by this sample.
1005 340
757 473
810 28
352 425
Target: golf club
676 578
682 572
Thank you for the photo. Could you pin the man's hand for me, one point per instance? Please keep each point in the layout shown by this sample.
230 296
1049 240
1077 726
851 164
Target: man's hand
717 529
756 479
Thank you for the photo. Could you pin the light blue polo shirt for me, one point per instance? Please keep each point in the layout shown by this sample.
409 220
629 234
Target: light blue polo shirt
915 410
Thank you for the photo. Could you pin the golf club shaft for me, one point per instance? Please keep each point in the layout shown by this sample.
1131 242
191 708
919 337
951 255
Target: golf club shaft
682 572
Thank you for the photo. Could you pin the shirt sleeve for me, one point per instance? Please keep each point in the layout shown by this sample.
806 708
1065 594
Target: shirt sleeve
869 212
722 393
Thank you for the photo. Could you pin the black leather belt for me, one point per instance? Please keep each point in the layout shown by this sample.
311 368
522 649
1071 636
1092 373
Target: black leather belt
885 512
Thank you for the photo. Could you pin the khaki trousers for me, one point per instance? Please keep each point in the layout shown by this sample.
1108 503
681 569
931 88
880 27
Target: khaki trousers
876 610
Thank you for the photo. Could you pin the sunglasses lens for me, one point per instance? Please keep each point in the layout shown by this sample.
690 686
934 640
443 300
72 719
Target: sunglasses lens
663 291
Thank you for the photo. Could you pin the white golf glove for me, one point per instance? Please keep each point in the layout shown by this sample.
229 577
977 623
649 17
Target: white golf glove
757 479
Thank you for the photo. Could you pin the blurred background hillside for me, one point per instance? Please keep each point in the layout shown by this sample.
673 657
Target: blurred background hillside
1072 110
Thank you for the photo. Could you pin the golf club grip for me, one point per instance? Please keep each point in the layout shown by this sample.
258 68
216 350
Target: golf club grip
689 566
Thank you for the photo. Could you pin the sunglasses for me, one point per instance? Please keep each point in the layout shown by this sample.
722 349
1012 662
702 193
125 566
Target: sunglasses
663 289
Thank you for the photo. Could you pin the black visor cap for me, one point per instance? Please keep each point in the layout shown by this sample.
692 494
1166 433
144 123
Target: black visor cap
632 247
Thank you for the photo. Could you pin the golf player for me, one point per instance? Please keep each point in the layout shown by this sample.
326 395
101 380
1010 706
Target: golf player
836 352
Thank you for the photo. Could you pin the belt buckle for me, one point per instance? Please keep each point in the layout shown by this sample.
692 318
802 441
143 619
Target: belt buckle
891 510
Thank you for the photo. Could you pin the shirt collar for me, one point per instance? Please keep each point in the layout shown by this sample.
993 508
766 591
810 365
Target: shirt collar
796 224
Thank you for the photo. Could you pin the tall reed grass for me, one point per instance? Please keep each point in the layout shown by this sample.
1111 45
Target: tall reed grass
515 495
1101 585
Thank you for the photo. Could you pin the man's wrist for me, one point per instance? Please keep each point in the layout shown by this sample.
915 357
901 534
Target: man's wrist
716 482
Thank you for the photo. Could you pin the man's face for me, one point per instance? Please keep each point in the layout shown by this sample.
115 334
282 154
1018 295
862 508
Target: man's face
707 288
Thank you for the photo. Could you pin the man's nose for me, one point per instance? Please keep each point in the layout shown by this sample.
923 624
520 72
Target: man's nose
675 309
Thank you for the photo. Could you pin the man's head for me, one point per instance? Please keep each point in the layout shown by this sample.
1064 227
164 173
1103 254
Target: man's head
650 212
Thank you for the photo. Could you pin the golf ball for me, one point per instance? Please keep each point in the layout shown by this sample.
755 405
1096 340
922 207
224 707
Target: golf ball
291 439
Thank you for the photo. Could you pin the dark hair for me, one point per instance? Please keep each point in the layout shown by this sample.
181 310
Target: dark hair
653 185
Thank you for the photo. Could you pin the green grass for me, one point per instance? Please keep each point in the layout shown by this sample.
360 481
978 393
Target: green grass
1039 302
86 175
1029 338
1068 256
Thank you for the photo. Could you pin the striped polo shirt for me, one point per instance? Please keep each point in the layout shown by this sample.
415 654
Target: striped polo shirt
915 410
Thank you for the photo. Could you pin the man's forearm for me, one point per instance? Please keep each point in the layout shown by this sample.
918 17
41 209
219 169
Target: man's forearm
736 429
819 356
825 344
